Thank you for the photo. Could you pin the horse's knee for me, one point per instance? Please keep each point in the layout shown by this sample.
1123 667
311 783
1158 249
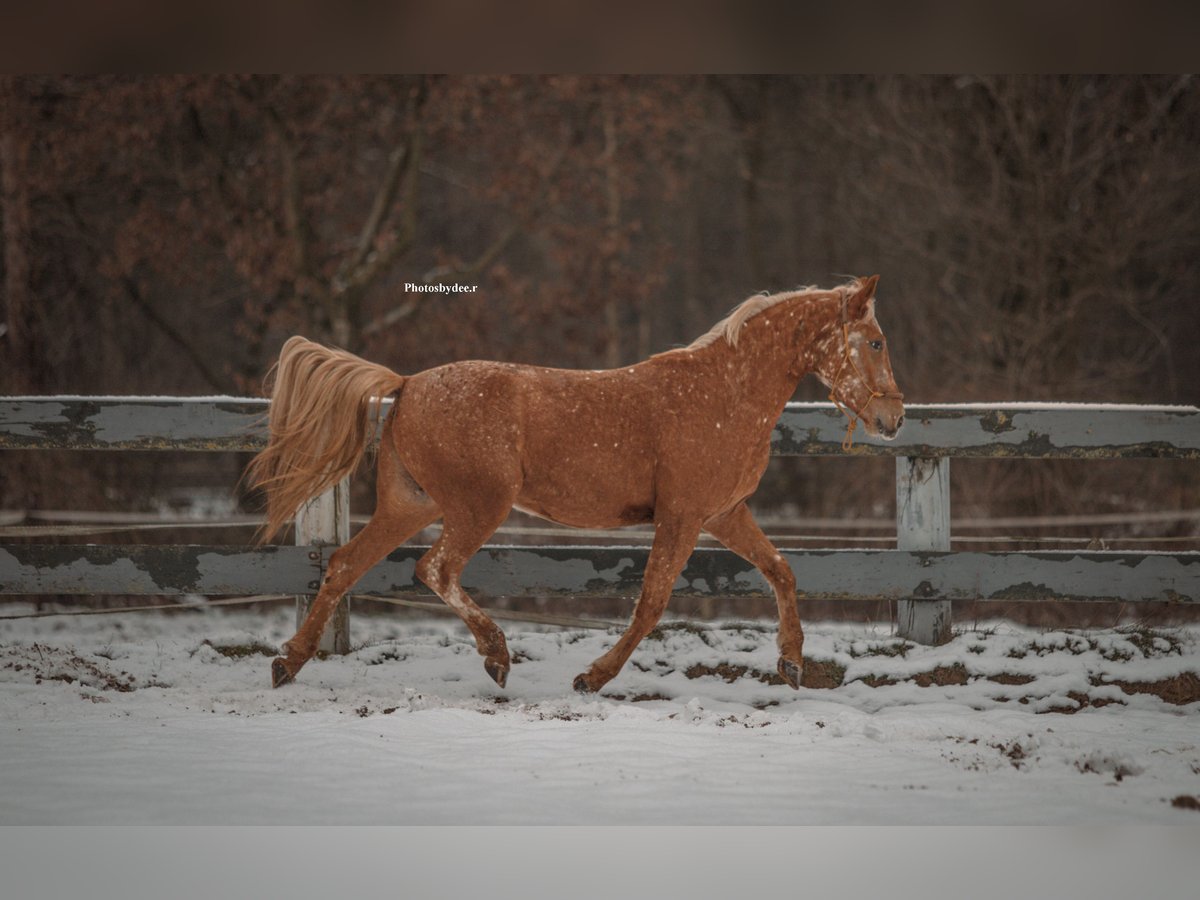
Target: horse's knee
780 574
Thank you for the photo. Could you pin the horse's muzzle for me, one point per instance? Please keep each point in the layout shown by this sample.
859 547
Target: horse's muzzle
887 427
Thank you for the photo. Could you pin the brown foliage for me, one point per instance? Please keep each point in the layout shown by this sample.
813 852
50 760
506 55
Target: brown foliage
1036 236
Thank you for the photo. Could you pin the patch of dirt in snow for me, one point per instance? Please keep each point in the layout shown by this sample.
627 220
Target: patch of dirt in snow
1008 678
1016 751
942 676
731 673
1046 671
41 663
822 673
1118 766
1179 689
240 651
1059 671
412 707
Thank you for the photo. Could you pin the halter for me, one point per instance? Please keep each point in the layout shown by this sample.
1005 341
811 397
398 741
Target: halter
853 417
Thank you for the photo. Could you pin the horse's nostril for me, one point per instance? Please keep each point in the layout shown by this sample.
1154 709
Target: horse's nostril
899 423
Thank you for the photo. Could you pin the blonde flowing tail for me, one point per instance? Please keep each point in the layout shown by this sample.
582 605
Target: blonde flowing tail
325 408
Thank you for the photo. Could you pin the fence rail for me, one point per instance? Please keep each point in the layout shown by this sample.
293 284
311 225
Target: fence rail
605 571
922 574
1026 430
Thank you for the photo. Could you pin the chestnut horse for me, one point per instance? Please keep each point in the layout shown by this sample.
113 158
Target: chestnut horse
680 440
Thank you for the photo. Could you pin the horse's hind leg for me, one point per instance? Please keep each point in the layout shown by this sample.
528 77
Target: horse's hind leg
401 510
464 532
738 531
673 543
348 564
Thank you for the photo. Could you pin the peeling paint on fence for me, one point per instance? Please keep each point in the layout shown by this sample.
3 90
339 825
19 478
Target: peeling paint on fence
609 572
120 423
1090 431
1083 431
168 569
820 574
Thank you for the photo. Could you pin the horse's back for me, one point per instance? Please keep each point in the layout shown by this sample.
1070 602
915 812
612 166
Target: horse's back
576 445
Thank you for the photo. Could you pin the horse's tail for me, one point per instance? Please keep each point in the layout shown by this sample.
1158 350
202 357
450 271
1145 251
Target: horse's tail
325 408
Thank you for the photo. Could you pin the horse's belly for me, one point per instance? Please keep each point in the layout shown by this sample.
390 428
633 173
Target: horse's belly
590 490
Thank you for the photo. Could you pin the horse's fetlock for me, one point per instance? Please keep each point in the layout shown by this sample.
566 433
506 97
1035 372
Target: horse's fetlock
298 648
494 647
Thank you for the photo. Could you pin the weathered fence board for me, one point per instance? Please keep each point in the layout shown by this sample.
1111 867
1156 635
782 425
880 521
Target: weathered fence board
324 521
920 574
923 523
1031 431
608 572
132 423
805 429
820 574
157 569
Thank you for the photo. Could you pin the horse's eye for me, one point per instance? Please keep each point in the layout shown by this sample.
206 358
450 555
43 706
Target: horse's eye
876 345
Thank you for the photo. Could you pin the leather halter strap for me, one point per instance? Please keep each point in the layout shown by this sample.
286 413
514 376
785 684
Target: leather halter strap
848 359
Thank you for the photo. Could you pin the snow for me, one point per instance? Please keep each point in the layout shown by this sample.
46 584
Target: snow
147 719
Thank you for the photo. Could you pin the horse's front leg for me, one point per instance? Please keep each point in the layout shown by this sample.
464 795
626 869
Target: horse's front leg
738 531
673 543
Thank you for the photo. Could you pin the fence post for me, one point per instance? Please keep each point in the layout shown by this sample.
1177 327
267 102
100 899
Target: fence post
923 523
324 521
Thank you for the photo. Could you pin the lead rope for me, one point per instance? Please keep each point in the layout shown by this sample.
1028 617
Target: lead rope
853 417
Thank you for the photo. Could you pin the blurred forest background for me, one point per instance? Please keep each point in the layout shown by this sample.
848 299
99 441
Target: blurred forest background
1038 238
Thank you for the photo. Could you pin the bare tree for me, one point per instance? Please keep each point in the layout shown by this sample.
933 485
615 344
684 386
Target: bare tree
15 340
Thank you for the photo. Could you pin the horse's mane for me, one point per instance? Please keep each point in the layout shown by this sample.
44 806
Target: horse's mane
730 326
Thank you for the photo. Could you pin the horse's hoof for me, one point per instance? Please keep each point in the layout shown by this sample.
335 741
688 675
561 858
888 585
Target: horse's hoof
498 671
280 675
790 672
582 685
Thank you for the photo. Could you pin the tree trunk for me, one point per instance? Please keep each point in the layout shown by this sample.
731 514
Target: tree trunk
14 197
612 312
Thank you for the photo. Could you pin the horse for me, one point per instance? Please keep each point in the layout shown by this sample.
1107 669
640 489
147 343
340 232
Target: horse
679 440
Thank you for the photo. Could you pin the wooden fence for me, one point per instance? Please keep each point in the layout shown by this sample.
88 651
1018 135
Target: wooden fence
921 574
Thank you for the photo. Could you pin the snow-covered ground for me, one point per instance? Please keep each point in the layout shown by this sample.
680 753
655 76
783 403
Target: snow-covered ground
148 718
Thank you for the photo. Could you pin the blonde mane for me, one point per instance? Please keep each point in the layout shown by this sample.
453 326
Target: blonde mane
730 326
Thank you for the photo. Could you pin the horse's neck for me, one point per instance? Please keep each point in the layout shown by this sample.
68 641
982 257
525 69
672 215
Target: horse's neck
759 374
778 347
820 341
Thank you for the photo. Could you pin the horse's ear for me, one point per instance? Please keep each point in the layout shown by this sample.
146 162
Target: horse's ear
862 303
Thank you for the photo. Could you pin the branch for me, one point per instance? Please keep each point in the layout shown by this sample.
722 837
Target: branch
439 274
398 161
486 258
134 293
360 279
408 205
294 222
232 200
455 273
394 315
174 335
364 265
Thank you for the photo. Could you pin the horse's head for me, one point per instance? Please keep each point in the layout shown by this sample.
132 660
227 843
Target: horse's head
856 366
